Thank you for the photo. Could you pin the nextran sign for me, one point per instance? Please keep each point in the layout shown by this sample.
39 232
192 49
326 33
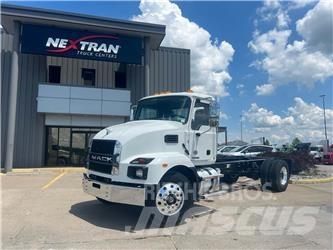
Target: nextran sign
80 44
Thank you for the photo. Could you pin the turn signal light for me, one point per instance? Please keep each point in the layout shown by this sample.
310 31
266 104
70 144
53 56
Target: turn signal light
142 161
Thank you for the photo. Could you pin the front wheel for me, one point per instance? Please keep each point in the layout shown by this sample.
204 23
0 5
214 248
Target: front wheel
174 195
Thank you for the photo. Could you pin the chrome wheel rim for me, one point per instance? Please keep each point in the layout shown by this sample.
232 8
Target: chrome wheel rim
170 199
284 175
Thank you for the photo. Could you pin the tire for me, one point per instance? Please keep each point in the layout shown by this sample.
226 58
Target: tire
174 196
230 178
105 202
279 175
265 174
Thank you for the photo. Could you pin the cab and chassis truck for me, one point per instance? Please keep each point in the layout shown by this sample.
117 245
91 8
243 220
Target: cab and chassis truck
166 157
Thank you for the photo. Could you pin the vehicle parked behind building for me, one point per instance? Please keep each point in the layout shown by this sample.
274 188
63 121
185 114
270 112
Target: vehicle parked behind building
249 150
317 152
226 149
328 158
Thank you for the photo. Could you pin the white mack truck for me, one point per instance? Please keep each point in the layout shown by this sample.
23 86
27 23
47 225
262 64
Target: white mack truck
166 157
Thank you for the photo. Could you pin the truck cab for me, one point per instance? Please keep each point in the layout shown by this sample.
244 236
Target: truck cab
164 157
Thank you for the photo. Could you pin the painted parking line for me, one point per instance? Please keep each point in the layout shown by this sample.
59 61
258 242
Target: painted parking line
47 185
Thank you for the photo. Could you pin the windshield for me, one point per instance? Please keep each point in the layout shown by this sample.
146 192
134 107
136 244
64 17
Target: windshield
227 149
319 149
171 108
238 149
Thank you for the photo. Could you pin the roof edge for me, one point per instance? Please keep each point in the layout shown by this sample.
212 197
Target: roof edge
9 9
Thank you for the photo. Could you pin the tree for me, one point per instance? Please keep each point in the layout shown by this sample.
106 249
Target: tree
293 145
295 142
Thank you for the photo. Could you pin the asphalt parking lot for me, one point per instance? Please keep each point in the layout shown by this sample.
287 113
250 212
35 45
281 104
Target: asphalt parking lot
43 210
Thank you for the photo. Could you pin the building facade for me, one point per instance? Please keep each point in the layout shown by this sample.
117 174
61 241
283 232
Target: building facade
65 76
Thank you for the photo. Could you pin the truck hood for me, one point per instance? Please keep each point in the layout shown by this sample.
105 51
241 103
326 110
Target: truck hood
127 131
144 137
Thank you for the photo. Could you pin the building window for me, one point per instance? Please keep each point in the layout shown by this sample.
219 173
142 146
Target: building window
88 76
120 76
120 80
54 74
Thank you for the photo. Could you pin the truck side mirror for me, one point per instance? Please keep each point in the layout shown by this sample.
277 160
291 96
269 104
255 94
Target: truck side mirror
133 110
213 121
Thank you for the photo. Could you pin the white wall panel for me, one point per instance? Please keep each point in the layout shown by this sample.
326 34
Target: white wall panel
83 100
116 108
53 91
86 107
82 120
53 105
86 93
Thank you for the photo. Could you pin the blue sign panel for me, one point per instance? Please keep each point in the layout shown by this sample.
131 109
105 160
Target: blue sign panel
53 41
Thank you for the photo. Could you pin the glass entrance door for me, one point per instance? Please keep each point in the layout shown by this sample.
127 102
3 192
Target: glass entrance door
68 146
78 149
80 143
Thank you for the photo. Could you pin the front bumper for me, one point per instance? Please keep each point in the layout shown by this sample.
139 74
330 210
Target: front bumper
114 193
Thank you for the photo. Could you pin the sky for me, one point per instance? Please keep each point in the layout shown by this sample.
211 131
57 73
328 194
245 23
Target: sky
266 61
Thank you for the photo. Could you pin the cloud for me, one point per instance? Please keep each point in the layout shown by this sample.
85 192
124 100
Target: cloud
209 59
262 118
303 120
223 116
303 62
240 88
316 27
265 89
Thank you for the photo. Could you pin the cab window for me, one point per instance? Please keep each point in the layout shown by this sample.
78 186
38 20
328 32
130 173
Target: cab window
201 116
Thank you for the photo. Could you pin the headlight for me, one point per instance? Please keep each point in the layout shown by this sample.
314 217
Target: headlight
142 161
139 173
117 151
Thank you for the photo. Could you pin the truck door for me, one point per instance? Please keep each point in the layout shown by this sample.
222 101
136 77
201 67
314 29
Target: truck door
203 150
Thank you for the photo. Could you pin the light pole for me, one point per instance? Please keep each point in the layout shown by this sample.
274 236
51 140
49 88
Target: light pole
327 144
241 126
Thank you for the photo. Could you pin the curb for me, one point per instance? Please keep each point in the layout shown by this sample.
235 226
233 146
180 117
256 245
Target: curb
311 181
46 170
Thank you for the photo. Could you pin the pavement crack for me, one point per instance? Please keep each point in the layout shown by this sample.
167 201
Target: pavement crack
173 242
18 233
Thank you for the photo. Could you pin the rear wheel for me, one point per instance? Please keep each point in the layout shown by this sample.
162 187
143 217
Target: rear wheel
265 174
274 175
280 176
